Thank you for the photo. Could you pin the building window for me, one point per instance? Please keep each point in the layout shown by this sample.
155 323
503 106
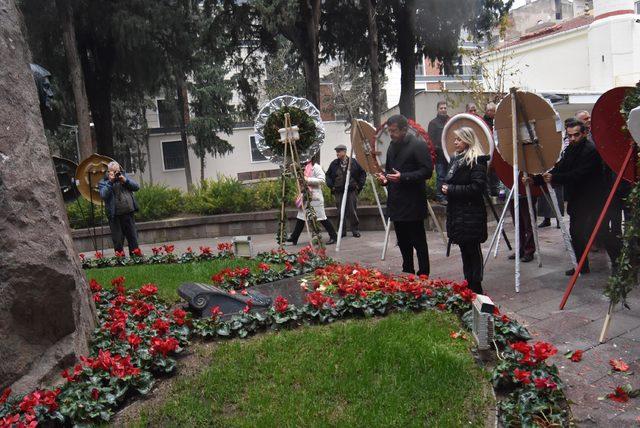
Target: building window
256 156
420 67
168 114
172 155
637 7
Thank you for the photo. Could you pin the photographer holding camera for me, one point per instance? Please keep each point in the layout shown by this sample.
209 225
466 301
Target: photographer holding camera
116 190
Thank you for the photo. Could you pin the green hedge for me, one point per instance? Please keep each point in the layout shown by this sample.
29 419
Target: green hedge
222 196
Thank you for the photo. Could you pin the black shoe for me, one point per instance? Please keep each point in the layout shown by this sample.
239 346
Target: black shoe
571 271
291 241
331 241
527 258
512 257
356 234
545 223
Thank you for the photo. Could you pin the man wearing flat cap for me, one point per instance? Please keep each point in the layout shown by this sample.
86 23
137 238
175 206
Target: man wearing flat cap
336 177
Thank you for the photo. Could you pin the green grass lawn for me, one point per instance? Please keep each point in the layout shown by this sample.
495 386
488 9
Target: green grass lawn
403 370
168 277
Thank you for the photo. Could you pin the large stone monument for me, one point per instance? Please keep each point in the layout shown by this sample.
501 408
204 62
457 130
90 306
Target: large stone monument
46 311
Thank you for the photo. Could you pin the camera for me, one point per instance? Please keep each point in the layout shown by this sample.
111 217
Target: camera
118 175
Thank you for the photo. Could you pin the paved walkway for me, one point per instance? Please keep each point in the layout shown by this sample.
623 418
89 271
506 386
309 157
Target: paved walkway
536 306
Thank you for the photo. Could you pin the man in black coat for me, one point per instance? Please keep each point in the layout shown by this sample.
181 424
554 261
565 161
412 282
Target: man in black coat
435 128
407 169
580 171
336 176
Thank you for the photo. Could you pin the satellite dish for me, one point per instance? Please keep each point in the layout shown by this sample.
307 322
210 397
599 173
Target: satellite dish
607 129
362 141
66 174
536 155
466 120
303 114
88 175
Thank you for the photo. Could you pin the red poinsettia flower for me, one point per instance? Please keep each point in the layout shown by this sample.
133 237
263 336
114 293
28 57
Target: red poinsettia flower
81 255
156 250
94 285
5 395
521 347
168 248
161 326
281 304
264 267
71 377
619 365
118 284
317 299
247 308
576 356
160 346
288 266
225 246
137 252
148 289
522 376
216 312
134 340
120 254
179 316
99 254
543 350
619 394
546 382
189 250
95 394
205 250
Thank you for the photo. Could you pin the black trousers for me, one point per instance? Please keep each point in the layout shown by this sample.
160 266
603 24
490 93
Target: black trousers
472 265
582 222
411 235
123 226
297 230
350 212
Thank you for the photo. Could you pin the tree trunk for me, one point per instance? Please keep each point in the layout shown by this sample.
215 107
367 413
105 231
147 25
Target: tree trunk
309 47
97 68
146 144
406 30
202 165
374 64
76 76
183 108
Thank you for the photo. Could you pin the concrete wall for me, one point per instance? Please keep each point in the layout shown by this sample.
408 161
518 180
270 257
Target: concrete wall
238 161
426 105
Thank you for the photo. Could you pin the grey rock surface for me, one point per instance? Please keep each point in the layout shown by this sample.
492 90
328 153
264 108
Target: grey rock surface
46 311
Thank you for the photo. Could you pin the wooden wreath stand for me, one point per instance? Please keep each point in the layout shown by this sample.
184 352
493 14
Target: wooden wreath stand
289 138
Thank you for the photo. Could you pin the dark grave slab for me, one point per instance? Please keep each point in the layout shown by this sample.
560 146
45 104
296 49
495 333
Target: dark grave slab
201 298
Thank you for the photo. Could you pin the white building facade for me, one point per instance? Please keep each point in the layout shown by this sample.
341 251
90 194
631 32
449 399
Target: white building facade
588 54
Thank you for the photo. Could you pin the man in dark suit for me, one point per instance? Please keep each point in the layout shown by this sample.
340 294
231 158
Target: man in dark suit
580 171
407 169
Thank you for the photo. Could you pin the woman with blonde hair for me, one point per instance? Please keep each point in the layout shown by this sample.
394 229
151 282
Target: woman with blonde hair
464 187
